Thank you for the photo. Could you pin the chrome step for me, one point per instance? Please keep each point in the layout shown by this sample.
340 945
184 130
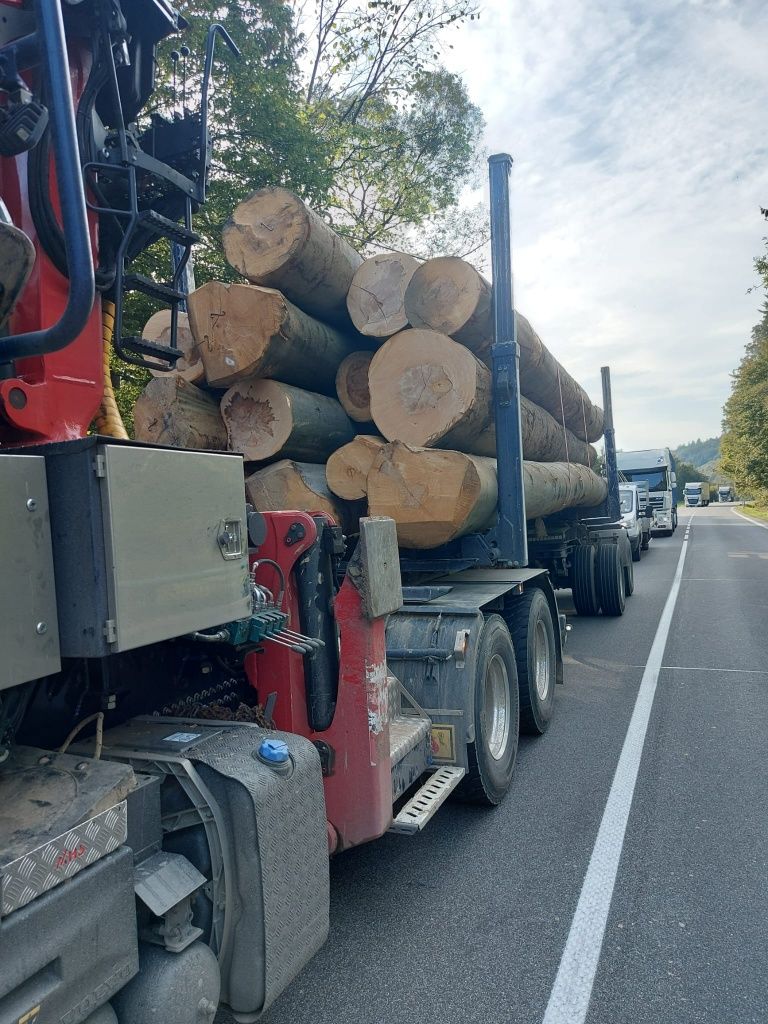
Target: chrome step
423 804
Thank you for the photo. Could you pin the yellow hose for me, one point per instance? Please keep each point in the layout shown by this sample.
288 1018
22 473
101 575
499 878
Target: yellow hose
108 419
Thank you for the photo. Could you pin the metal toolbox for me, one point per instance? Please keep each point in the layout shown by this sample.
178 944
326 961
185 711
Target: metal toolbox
148 543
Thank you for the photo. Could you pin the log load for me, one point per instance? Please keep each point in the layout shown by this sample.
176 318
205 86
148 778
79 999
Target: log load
265 418
245 331
172 411
428 390
435 496
449 295
376 299
352 386
301 486
190 364
273 239
348 468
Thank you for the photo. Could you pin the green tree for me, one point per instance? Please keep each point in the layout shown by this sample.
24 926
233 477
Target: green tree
744 447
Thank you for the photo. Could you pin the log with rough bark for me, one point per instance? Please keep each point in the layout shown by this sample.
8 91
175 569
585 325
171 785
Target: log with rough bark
376 299
450 296
172 411
348 468
190 364
428 390
301 486
352 386
274 239
245 331
265 418
435 496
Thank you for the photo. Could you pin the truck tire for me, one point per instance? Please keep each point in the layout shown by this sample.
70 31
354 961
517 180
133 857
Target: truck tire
533 637
629 579
583 581
646 541
611 585
637 550
491 757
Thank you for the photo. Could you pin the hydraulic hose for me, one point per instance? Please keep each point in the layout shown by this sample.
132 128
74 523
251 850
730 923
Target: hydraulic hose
108 419
70 184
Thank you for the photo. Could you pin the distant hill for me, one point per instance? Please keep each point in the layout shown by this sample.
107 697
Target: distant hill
700 453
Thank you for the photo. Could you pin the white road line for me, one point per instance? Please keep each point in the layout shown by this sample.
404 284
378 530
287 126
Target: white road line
571 993
749 519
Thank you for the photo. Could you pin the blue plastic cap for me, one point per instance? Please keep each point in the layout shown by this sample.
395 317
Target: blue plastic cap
274 751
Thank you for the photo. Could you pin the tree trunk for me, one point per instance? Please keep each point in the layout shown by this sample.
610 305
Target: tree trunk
376 299
427 390
244 331
300 486
273 239
190 364
435 496
352 386
450 296
172 411
348 468
265 418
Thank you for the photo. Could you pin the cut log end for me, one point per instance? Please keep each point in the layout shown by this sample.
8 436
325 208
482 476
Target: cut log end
171 411
348 467
352 386
264 232
190 364
376 299
449 295
299 486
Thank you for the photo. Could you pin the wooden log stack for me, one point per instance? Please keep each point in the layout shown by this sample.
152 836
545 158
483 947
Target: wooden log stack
345 381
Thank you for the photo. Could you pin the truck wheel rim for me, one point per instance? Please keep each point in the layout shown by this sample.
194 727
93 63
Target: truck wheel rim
496 703
541 660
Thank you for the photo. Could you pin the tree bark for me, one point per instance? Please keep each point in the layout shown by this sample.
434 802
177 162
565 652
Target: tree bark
273 239
190 364
450 296
348 468
265 418
244 331
376 299
352 386
435 496
301 486
428 390
172 411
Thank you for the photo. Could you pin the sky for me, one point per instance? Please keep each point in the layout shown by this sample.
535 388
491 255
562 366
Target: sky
639 132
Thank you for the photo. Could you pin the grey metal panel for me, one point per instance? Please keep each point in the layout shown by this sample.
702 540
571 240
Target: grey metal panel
135 539
164 512
29 633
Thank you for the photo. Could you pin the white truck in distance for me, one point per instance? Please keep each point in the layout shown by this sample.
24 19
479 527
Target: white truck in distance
655 466
724 493
695 494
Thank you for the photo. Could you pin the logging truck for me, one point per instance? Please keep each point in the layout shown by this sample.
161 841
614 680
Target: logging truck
200 702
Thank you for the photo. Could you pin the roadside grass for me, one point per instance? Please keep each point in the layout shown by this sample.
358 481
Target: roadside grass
758 511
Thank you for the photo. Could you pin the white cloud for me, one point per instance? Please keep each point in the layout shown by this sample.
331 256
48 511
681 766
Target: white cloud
641 161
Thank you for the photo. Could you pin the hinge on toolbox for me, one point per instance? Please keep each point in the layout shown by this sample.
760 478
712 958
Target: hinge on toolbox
110 631
100 465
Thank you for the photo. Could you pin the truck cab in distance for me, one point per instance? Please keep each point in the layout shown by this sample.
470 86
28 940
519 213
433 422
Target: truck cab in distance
696 494
656 467
724 493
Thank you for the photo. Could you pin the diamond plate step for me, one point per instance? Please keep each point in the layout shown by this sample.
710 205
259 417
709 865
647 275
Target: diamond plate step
426 801
405 733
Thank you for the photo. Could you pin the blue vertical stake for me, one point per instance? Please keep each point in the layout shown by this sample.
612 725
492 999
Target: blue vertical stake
511 534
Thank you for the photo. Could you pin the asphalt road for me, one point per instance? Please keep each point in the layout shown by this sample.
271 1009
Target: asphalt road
469 920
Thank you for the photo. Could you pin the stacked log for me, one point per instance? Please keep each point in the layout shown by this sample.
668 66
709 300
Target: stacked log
190 364
427 390
450 296
343 381
436 496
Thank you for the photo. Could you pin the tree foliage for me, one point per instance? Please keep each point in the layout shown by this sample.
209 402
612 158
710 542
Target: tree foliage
744 448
